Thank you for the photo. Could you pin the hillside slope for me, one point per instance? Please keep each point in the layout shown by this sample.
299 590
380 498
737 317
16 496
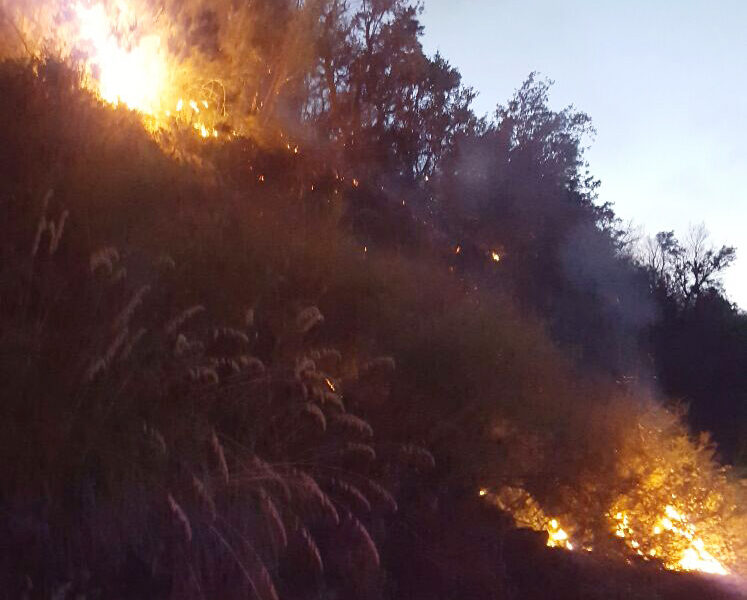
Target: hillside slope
197 348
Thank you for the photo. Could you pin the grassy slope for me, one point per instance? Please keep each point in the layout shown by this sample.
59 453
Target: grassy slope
464 358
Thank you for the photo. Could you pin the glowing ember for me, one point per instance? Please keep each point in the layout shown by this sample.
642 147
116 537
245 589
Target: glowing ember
495 256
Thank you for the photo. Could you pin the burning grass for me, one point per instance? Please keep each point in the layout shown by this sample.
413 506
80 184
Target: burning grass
178 64
124 52
669 501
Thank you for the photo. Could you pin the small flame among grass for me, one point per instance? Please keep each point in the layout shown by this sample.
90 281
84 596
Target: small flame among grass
556 536
528 513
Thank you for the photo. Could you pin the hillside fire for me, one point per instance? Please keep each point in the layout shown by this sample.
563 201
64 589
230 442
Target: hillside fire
281 316
672 504
675 541
123 52
131 71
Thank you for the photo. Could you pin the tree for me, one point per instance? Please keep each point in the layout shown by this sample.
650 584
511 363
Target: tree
698 344
387 105
521 188
686 270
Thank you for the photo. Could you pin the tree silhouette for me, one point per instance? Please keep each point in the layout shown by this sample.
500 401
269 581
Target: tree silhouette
386 104
687 269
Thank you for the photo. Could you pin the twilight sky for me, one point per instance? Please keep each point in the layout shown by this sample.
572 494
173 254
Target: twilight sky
665 82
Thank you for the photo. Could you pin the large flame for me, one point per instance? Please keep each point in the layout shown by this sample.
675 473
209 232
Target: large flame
124 51
128 63
133 72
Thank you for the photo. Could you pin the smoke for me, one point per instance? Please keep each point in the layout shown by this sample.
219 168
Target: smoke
618 290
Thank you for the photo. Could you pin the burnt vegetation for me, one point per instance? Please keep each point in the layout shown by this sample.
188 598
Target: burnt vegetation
284 364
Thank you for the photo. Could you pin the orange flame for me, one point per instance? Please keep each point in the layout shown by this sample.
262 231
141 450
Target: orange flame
123 52
136 75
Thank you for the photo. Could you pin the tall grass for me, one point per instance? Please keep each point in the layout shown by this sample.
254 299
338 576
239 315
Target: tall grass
152 445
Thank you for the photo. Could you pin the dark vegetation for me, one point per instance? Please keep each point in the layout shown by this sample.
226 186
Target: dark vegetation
197 350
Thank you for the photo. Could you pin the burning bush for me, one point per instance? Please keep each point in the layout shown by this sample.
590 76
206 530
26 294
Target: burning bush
675 502
667 500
